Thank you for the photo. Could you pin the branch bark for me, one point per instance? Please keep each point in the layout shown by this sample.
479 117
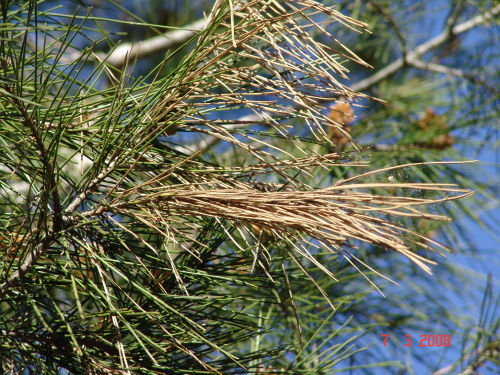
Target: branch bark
29 261
414 56
152 45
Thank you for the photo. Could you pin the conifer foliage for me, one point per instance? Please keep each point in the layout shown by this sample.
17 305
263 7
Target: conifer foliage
211 205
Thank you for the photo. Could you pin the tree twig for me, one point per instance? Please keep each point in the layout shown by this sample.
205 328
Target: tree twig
149 46
423 48
395 27
439 68
30 260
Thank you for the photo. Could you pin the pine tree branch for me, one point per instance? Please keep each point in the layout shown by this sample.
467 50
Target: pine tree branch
423 48
393 24
148 47
452 19
94 184
27 264
439 68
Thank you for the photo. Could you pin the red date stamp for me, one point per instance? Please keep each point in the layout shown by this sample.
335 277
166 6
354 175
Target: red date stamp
425 340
